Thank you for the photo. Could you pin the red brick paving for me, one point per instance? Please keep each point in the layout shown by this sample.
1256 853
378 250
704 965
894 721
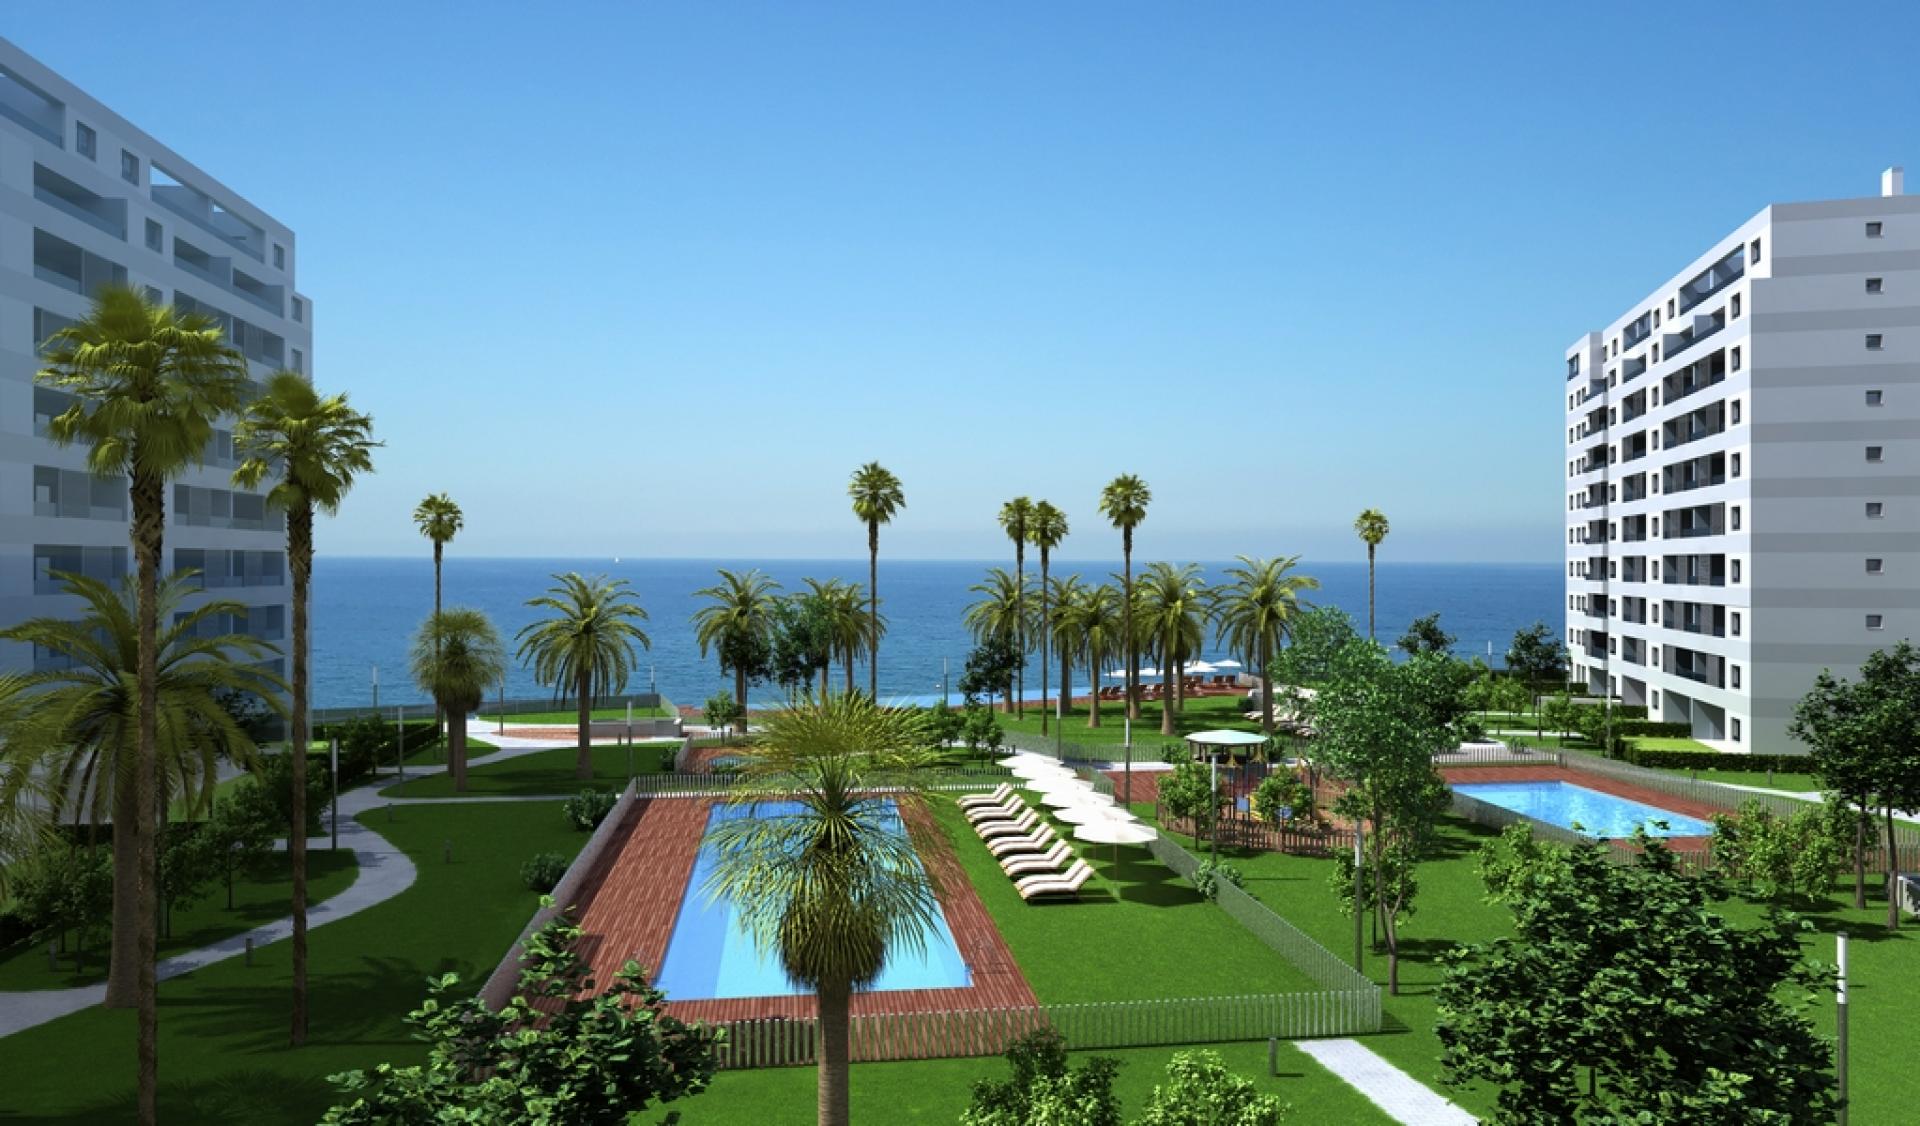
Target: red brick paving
634 895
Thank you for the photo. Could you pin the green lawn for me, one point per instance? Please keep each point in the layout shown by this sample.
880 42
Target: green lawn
223 1030
259 896
542 772
1202 714
571 716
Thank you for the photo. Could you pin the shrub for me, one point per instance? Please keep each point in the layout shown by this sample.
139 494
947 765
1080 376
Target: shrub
1716 760
1042 1089
543 871
1640 728
1209 876
1280 793
589 807
1200 1091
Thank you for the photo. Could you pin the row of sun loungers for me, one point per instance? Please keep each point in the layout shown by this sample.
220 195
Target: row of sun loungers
1028 849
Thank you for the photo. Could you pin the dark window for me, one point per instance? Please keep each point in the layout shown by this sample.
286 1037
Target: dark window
155 238
84 141
1736 465
1753 253
1876 566
1874 453
1874 621
1873 341
279 257
1736 570
1876 509
1733 360
1873 229
1736 306
1875 285
129 167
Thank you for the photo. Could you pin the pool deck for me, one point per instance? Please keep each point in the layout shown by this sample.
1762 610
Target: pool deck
1469 774
634 898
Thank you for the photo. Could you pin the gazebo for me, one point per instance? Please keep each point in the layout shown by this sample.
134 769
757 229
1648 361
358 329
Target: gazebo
1213 744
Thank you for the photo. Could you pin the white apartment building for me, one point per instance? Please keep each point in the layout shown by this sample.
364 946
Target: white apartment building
87 198
1743 471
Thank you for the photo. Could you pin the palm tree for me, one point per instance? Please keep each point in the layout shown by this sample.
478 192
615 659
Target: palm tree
456 657
1254 614
148 383
1124 503
833 887
998 613
311 447
1045 529
847 619
587 645
1097 620
1371 526
737 625
1060 630
877 497
1016 519
439 519
1175 608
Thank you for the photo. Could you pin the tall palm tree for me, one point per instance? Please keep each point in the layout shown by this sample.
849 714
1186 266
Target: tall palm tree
1174 602
587 645
737 625
311 447
148 383
847 615
1254 613
1370 526
456 657
833 887
1016 520
1060 633
998 614
1124 503
1045 529
439 519
1097 620
877 498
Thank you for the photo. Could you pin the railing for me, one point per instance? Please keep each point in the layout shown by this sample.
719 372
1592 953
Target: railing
1068 751
1508 754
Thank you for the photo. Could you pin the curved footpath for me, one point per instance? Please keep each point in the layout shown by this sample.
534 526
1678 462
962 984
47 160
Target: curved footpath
384 871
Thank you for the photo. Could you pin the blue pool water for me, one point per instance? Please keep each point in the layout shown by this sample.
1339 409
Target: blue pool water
1597 814
711 955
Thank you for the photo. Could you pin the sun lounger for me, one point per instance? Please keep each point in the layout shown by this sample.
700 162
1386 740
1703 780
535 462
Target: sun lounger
1053 860
1013 846
1005 811
996 829
1067 884
999 796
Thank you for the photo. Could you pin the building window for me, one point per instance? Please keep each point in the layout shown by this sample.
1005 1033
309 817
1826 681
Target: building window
1873 341
1736 412
129 168
155 237
1876 566
1654 701
1753 253
1875 397
1735 671
1736 722
1873 453
1736 306
1875 509
1733 360
1736 465
84 141
1875 621
1875 285
1736 517
279 257
1656 317
1736 623
1736 570
299 361
1873 228
299 311
1670 308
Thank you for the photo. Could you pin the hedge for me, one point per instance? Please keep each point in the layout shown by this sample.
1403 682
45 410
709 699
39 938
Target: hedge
1718 760
366 744
1653 729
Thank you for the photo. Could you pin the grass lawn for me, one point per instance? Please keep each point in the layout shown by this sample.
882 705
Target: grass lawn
223 1030
1202 714
570 716
259 896
542 772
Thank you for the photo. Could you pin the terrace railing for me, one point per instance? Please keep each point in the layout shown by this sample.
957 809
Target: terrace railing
1147 748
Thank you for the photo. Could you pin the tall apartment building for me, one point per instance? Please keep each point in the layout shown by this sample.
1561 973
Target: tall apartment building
88 198
1743 471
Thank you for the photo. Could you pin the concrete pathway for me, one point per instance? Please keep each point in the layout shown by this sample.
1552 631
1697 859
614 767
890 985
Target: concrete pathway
1386 1086
384 872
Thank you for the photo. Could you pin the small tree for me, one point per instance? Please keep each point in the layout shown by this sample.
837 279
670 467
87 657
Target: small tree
1200 1091
1426 636
63 892
722 710
982 732
1187 792
1283 797
1796 856
1537 657
1042 1089
558 1052
991 667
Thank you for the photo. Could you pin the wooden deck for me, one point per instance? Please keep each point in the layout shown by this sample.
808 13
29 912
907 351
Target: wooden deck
634 896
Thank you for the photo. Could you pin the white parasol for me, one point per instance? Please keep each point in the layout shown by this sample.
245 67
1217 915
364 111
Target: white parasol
1114 832
1058 783
1063 799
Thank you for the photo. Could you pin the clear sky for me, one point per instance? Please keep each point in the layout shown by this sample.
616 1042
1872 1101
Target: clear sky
651 280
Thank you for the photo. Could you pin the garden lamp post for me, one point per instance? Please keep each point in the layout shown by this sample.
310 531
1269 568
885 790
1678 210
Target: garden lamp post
1840 1022
376 690
333 761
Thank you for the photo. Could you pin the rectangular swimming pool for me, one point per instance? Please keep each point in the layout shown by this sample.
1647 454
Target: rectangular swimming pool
710 955
1590 811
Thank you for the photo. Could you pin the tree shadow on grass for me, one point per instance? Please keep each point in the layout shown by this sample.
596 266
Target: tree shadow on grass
239 1096
356 1008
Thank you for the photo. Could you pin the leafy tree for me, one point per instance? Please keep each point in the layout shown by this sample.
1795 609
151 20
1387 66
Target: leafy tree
1046 528
439 519
1281 791
1371 527
585 645
802 644
456 657
1187 792
723 710
997 617
877 499
267 793
982 732
1426 636
1378 725
1537 656
738 624
844 606
1786 857
147 382
1623 998
1560 713
1317 642
945 726
559 1052
831 887
1175 606
1044 1090
1124 503
1255 613
1200 1091
64 891
990 667
244 824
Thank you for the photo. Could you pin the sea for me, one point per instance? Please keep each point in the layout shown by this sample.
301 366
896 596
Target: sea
366 610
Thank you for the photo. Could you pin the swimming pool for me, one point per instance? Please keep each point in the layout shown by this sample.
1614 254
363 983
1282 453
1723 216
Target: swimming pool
710 954
1597 814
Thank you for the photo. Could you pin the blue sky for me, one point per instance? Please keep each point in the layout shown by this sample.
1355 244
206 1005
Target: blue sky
651 280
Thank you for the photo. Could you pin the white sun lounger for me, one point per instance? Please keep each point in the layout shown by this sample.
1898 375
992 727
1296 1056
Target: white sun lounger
1012 846
1046 887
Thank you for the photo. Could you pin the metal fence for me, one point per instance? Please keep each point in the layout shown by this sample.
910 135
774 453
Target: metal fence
491 709
1497 754
1067 750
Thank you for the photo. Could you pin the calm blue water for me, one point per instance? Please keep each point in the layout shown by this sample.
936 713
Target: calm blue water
365 610
710 954
1596 814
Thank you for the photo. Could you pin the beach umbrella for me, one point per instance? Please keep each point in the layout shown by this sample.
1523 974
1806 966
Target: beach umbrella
1020 758
1227 664
1117 674
1058 783
1112 831
1085 814
1194 668
1063 799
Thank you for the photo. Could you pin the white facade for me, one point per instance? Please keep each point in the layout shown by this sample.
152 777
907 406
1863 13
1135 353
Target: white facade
86 198
1743 471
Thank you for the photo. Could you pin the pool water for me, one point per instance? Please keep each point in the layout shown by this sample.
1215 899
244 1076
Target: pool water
1592 812
710 955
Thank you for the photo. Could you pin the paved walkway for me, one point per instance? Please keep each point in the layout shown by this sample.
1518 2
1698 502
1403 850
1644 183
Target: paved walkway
1384 1085
384 872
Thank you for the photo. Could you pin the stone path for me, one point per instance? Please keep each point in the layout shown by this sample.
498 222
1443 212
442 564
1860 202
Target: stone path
1384 1085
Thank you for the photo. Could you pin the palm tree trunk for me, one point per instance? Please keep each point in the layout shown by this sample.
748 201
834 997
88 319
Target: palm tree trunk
825 667
1066 686
1046 636
457 748
1093 707
1167 697
1266 691
583 760
836 1002
439 713
1860 858
1020 625
873 610
1369 592
740 686
1132 678
300 562
149 529
849 670
123 966
1893 878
